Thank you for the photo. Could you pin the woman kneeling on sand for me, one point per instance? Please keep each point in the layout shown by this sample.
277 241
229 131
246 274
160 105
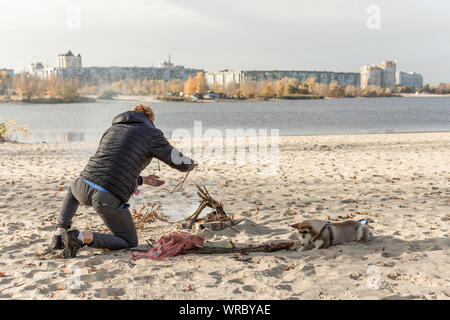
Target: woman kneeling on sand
110 178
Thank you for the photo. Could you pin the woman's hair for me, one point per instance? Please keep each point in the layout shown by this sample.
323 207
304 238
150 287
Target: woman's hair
145 110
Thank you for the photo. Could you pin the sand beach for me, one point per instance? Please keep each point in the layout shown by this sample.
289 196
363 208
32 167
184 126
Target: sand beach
398 181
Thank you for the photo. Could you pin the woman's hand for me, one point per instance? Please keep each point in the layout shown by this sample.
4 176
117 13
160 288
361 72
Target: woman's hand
152 180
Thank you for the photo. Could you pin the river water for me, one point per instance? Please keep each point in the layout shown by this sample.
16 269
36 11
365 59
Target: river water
87 121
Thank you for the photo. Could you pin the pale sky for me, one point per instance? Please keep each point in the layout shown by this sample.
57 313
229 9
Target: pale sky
235 34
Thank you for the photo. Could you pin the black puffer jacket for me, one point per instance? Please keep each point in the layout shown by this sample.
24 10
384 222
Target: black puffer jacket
126 149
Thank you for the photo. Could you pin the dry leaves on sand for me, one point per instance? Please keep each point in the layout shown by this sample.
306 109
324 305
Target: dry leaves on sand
147 214
348 216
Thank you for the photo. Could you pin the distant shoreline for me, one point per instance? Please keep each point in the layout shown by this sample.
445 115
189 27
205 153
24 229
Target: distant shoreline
303 97
155 99
80 99
423 95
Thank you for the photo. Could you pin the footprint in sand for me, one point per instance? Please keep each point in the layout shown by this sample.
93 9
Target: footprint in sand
237 281
282 286
109 292
249 288
309 270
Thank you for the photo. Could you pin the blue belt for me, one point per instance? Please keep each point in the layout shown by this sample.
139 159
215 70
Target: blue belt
96 186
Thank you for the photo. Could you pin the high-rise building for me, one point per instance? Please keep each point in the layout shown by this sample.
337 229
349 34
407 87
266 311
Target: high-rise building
69 60
409 79
371 75
224 77
388 78
381 75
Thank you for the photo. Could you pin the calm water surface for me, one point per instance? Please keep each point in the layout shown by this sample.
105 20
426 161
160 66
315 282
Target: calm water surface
87 121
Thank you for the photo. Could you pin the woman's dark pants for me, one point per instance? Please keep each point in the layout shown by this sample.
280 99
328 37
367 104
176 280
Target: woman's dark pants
111 209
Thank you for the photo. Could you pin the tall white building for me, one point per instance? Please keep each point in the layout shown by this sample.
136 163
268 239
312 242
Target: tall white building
388 77
382 75
69 60
224 77
371 75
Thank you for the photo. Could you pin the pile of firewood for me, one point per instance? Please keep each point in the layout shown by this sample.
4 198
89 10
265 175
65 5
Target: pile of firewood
217 219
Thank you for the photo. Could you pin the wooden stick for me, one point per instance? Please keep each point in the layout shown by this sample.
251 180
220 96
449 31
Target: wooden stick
201 193
180 184
272 247
196 214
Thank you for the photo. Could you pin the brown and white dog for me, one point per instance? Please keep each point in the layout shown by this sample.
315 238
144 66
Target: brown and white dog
331 234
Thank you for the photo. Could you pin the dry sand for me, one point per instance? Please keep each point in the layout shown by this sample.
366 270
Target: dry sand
400 181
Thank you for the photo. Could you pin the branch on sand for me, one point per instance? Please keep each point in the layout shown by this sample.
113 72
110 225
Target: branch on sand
148 213
271 247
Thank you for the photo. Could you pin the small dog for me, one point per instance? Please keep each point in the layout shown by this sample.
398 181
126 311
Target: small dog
329 234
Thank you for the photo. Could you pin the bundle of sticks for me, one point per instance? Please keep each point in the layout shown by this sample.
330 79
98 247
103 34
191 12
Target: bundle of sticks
218 215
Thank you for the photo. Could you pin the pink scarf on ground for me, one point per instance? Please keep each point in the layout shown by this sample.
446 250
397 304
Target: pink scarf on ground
170 245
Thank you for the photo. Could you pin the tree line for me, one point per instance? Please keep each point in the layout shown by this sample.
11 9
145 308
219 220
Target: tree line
442 88
29 87
246 89
33 88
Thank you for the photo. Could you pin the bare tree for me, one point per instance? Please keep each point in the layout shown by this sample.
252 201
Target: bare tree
189 86
248 88
201 85
267 90
350 91
335 90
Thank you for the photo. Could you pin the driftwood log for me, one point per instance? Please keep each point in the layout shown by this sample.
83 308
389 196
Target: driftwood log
243 250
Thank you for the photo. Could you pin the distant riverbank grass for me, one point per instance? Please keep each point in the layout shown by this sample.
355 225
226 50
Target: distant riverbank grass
299 97
76 99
